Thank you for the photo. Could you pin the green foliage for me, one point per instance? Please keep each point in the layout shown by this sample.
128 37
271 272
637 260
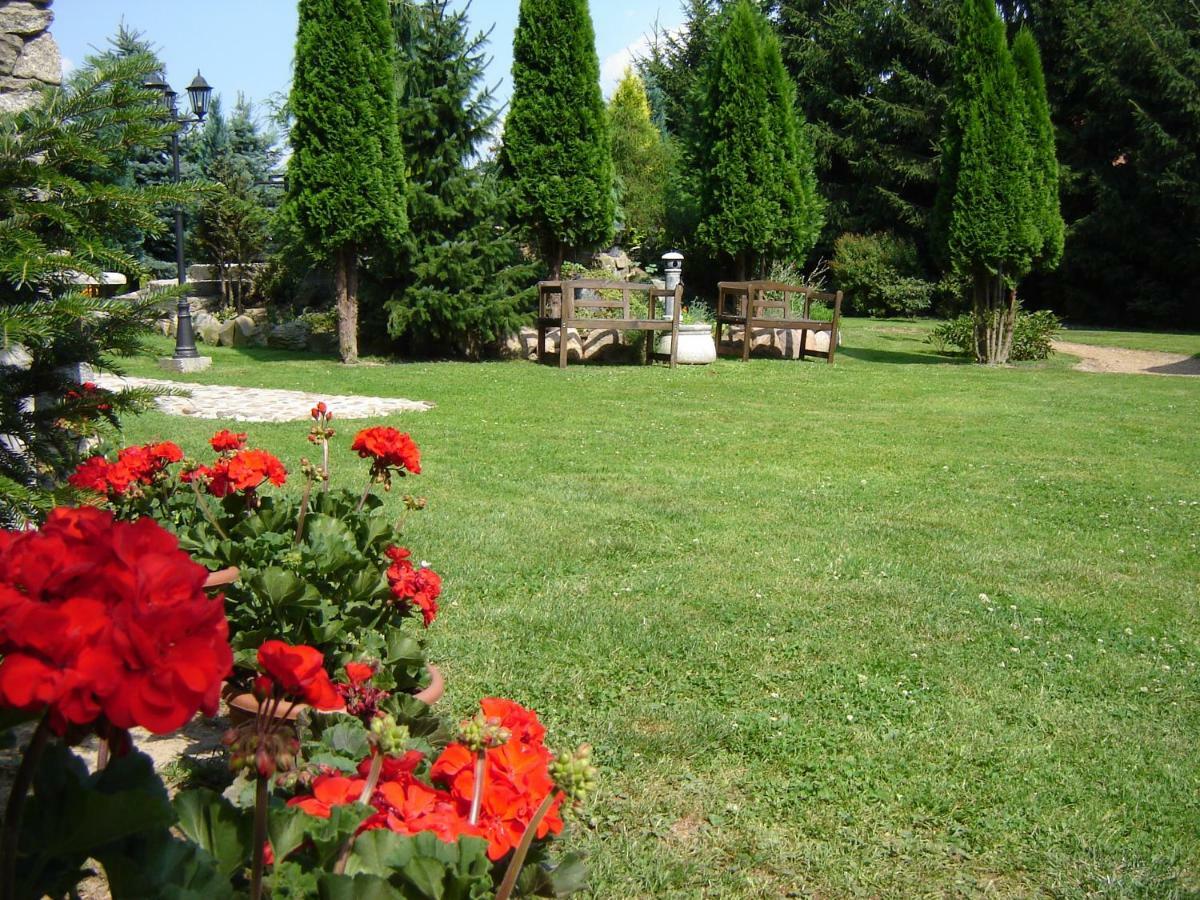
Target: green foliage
459 281
346 172
1043 162
1032 335
880 275
985 216
328 590
641 160
231 230
556 150
59 219
757 192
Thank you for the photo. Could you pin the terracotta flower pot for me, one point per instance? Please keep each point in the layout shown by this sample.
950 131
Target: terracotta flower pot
222 577
244 706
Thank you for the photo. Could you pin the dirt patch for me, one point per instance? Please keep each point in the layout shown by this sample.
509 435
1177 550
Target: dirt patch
1134 362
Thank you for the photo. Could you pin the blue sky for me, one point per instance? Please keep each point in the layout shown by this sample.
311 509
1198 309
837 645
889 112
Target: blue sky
246 45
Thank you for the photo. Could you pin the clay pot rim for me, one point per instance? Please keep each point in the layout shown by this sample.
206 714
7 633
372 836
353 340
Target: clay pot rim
222 577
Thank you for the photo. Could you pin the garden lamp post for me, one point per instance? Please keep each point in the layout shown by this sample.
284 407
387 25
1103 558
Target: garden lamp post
199 94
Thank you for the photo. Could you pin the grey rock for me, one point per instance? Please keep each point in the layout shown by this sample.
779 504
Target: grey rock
15 101
197 272
207 327
165 327
24 18
257 313
40 60
289 336
241 331
11 46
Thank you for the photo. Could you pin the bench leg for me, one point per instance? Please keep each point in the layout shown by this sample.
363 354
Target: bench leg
562 346
833 336
674 342
803 344
746 341
541 344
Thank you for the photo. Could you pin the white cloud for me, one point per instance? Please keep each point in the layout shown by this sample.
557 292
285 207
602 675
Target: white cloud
67 67
613 66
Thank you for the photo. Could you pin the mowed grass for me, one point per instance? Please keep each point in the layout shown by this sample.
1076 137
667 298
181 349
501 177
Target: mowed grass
899 627
1165 342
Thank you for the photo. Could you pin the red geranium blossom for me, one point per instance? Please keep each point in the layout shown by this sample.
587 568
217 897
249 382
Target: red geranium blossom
389 448
134 466
330 791
245 470
412 586
227 441
107 623
300 672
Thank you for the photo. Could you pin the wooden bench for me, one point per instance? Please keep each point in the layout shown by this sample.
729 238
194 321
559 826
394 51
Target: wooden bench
747 303
564 305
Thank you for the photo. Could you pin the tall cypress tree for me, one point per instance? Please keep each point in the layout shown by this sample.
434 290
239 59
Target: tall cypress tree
985 215
556 147
459 279
1043 168
346 174
641 161
757 192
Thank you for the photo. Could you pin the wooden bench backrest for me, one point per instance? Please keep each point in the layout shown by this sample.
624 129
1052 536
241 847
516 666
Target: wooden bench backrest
760 291
569 300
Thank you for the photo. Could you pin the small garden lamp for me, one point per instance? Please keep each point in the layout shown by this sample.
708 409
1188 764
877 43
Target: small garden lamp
672 273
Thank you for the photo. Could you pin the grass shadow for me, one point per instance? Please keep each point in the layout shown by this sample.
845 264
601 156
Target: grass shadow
900 357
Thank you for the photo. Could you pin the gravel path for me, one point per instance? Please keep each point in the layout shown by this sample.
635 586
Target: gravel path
210 401
1139 362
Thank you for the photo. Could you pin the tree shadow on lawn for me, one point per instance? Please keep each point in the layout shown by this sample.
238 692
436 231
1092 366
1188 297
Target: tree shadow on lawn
900 357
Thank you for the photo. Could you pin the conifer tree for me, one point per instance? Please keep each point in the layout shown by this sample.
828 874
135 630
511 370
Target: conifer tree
757 194
346 173
459 280
986 217
556 146
1043 163
641 161
63 216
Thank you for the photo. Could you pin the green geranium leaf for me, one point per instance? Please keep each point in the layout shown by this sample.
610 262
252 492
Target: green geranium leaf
161 865
348 739
378 852
360 887
328 543
286 829
214 824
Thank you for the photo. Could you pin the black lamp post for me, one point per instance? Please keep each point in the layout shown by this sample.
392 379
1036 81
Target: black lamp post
199 94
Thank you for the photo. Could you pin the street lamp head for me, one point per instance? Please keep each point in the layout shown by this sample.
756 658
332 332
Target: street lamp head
155 82
170 100
199 94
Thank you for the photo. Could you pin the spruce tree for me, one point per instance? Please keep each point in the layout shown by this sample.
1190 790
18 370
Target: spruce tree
641 161
1043 168
757 193
346 173
986 216
63 216
556 145
459 280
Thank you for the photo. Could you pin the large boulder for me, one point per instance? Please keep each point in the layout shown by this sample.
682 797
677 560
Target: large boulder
257 313
780 343
289 336
241 331
207 327
40 61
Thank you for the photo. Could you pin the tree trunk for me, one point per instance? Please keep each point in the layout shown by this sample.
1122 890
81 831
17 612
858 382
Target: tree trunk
995 310
345 289
740 263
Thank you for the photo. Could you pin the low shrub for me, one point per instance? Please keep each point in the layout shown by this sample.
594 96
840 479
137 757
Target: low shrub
879 274
1032 335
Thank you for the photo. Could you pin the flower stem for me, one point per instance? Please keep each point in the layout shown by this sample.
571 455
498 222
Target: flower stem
200 501
477 794
325 464
303 512
339 868
363 499
518 860
260 838
16 808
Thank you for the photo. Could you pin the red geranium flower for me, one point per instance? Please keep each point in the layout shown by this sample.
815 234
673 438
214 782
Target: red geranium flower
329 791
134 466
414 587
389 448
245 470
300 672
227 441
105 622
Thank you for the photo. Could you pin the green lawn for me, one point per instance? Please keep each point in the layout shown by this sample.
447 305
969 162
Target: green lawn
1166 342
899 627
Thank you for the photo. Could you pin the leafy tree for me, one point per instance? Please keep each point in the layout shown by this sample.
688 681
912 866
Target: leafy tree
556 147
641 160
986 216
346 173
231 229
1043 169
459 279
757 192
62 219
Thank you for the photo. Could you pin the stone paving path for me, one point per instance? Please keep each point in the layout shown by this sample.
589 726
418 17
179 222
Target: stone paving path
239 404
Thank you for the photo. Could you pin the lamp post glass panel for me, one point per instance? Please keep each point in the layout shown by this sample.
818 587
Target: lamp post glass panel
199 94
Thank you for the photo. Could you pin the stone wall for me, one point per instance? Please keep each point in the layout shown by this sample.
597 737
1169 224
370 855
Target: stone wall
29 57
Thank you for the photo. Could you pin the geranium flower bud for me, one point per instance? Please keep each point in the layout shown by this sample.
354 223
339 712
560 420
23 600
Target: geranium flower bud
263 688
388 736
574 774
264 763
